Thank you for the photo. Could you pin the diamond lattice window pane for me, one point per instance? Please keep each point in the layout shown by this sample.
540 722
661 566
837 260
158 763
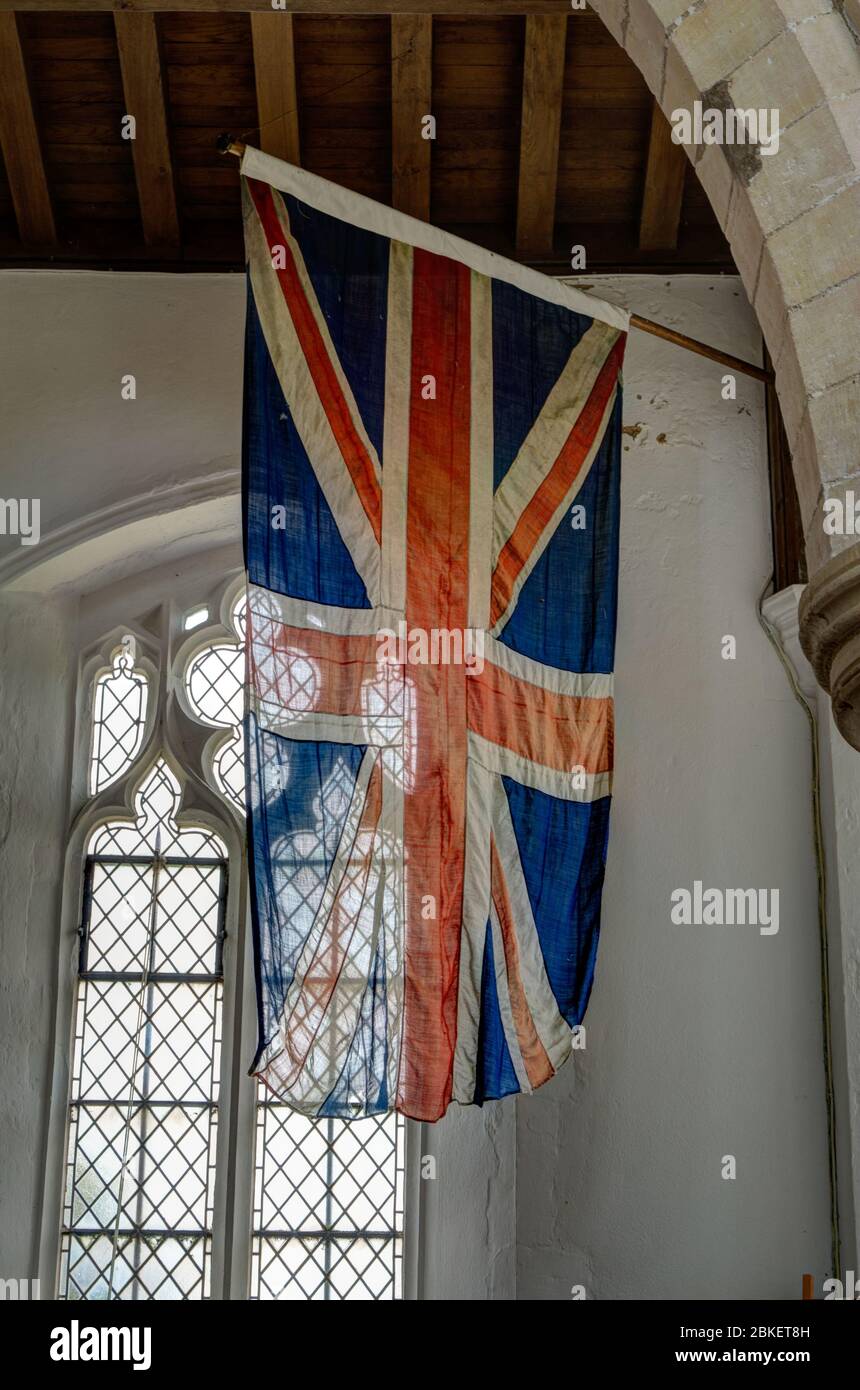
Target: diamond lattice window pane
188 922
362 1269
170 1040
229 769
328 1206
146 1267
364 1175
154 826
215 684
167 1158
186 925
143 1122
120 903
119 719
328 1196
291 1178
290 1269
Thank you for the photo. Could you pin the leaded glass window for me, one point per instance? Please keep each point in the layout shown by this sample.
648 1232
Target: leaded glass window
138 1213
328 1208
215 683
119 717
149 1128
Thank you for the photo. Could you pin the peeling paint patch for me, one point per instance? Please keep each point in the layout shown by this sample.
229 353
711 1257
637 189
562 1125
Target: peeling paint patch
650 502
744 160
653 502
634 431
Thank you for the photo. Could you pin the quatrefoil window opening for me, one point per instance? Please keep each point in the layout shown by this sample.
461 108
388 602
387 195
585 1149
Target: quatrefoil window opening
214 684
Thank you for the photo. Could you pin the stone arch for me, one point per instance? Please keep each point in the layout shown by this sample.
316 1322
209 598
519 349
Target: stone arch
792 219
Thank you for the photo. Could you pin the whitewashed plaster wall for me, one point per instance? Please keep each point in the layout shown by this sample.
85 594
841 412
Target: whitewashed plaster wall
701 1042
99 462
38 663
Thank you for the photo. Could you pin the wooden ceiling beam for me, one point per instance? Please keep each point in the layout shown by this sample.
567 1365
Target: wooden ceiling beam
411 91
613 250
333 7
275 77
665 174
144 88
543 88
19 138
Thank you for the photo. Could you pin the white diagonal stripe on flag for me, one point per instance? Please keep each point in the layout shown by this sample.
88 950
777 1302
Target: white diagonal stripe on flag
503 995
550 431
591 685
307 410
564 785
476 912
549 531
552 1029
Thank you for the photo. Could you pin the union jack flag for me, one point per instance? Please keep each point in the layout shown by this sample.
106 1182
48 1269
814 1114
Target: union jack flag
431 451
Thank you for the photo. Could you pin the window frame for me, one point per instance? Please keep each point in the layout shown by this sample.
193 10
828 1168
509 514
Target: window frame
94 979
199 808
173 730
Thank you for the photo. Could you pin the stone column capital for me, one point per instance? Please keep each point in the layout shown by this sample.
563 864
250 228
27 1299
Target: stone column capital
830 636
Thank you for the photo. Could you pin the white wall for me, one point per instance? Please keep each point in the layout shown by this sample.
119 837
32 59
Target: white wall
95 460
37 671
701 1041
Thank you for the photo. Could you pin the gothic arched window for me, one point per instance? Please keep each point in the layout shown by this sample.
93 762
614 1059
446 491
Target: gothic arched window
144 1101
162 1139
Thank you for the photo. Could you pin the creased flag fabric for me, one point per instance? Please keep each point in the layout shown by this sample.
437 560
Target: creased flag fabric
431 493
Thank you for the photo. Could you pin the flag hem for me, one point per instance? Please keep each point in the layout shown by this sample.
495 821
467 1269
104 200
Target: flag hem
359 211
